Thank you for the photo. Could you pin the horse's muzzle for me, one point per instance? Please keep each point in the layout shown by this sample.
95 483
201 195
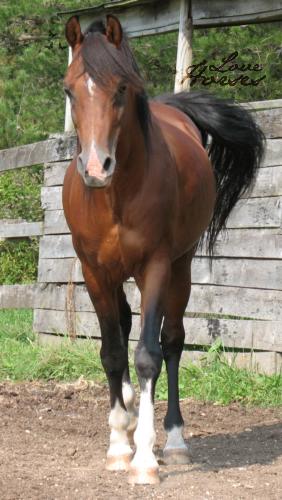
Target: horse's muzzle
96 168
95 182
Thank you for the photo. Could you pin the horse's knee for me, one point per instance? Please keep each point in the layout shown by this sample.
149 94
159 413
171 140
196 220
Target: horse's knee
148 362
114 362
172 339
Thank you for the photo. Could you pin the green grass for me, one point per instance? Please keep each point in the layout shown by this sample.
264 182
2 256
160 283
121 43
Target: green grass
18 261
22 358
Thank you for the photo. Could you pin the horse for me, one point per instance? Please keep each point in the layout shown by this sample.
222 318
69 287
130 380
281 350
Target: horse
148 180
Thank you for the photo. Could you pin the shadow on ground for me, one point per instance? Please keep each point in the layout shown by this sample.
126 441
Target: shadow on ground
257 445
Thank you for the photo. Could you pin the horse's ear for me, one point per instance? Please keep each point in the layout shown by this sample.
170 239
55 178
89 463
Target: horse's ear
113 30
74 35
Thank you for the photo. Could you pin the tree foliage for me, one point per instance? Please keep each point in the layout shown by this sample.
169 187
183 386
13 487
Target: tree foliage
33 58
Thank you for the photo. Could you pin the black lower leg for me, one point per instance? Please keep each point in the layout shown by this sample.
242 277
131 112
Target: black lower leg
114 359
148 354
125 324
172 346
148 364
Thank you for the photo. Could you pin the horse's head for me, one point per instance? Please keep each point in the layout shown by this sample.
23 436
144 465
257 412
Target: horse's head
101 82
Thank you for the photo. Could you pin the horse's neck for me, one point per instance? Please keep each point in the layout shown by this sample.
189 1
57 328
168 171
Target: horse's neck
132 160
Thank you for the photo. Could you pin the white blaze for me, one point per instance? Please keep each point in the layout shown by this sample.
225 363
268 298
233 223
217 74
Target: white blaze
90 85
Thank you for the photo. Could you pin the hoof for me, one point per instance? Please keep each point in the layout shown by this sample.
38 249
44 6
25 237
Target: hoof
176 456
143 476
119 462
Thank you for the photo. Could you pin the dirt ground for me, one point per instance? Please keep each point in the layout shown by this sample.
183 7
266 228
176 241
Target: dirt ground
53 441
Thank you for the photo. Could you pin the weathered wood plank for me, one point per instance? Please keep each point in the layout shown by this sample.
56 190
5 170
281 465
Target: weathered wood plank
258 105
20 229
256 212
59 147
51 198
238 272
55 222
141 18
243 334
56 246
270 120
59 271
227 272
205 299
62 147
249 213
18 296
242 302
248 243
268 183
273 153
54 173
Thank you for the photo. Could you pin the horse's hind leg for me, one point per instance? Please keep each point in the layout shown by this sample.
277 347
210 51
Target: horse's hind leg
172 339
128 391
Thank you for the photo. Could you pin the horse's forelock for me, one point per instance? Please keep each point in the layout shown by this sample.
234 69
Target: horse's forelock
102 60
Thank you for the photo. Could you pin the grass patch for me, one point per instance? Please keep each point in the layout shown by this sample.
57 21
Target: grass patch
22 358
18 261
215 380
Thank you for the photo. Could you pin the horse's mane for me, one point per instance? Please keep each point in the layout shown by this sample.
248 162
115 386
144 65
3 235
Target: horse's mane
102 60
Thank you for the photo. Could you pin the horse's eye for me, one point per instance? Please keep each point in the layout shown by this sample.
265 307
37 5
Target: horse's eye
119 96
122 89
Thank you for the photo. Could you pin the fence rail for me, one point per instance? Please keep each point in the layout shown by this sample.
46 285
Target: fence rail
20 229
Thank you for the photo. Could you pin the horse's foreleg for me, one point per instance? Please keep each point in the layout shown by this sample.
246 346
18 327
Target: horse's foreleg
114 358
128 391
114 361
129 397
172 338
148 362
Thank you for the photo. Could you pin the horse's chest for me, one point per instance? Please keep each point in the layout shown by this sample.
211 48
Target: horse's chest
121 250
109 251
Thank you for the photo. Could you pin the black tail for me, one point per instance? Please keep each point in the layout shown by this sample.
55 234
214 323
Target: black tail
236 149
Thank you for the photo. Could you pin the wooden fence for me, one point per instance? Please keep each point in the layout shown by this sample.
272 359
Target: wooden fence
238 301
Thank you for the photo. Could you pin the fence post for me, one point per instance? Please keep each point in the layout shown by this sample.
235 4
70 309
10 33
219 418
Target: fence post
184 48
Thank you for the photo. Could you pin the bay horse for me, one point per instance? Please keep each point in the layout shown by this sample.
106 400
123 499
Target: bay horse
138 196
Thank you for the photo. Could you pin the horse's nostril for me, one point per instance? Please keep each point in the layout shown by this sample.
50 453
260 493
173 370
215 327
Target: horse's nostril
107 163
